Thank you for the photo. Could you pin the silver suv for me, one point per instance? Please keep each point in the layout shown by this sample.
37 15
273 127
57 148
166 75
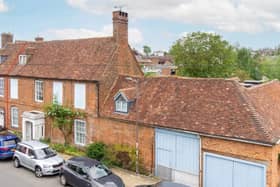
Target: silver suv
37 157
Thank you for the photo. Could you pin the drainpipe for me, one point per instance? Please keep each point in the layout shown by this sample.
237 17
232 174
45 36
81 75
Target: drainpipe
137 128
97 95
200 163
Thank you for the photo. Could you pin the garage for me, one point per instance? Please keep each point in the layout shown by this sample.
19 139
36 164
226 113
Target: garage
221 171
177 156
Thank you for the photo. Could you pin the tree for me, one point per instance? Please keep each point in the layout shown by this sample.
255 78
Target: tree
147 50
63 118
247 63
204 55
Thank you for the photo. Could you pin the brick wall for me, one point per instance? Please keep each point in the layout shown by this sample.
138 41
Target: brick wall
26 102
117 132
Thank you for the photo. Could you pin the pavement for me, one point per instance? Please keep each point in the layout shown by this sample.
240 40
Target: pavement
22 177
131 179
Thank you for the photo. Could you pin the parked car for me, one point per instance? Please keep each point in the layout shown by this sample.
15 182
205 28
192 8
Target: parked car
83 171
164 184
8 142
38 157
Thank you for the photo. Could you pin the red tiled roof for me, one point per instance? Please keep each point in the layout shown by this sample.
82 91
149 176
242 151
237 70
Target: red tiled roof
82 59
208 106
130 93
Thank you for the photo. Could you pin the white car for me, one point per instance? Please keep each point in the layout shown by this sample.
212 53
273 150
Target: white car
38 157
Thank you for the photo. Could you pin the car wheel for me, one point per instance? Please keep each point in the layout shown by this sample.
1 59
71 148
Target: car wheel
16 163
63 180
38 172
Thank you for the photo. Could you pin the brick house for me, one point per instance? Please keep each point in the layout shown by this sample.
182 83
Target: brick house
76 73
202 132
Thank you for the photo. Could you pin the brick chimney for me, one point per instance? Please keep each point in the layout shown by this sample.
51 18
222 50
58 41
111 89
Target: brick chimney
39 39
120 27
6 38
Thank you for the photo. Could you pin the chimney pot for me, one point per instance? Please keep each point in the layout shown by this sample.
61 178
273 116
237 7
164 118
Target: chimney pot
39 39
6 38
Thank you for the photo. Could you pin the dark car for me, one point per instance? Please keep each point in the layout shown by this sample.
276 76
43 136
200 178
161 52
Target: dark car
8 142
164 184
86 172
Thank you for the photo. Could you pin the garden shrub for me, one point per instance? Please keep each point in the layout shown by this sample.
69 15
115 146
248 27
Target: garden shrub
73 151
45 140
58 147
96 150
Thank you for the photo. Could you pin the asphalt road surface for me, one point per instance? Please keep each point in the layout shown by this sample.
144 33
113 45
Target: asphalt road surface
21 177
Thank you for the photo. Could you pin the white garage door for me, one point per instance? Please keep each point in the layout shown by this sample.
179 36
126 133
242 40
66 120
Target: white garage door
220 171
177 157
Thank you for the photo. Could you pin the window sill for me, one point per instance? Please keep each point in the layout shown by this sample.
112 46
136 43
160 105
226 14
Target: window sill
37 101
79 144
121 113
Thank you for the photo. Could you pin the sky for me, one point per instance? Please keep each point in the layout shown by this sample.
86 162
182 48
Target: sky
157 23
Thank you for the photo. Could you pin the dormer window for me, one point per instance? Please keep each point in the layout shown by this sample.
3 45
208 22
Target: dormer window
121 105
124 100
3 58
22 59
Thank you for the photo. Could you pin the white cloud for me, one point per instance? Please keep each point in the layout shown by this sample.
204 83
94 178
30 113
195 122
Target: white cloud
3 6
249 16
135 35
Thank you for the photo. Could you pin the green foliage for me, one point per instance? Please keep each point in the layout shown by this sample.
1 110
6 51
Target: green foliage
63 118
270 67
147 50
45 140
58 147
69 150
73 151
96 150
204 55
17 133
247 66
123 156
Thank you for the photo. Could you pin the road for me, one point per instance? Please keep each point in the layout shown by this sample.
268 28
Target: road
21 177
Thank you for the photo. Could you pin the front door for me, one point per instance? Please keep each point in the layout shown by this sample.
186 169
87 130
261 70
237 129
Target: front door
2 118
28 129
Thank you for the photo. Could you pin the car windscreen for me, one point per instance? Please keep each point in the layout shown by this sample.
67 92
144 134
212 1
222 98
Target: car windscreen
99 171
9 142
44 153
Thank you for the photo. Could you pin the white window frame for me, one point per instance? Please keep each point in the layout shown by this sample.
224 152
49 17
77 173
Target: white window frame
80 132
39 90
2 87
14 117
58 92
22 59
121 105
80 100
14 88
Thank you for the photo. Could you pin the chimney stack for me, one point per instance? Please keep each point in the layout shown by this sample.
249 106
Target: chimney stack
39 39
120 27
6 38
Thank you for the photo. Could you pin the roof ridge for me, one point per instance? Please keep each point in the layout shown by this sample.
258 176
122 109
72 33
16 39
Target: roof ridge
256 117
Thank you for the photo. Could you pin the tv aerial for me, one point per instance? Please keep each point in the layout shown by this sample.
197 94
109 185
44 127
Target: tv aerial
119 7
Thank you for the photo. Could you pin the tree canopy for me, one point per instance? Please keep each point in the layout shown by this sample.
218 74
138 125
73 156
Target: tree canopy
147 50
204 55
